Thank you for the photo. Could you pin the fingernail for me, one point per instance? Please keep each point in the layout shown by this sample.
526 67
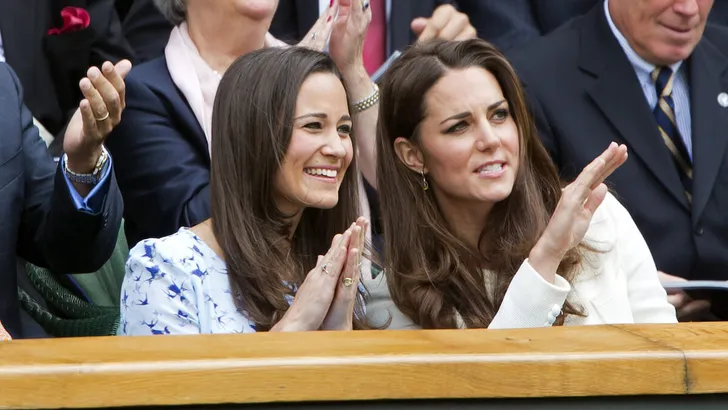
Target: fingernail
93 73
331 3
85 84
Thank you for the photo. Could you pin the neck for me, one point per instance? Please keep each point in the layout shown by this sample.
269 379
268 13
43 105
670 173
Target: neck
467 221
221 38
294 223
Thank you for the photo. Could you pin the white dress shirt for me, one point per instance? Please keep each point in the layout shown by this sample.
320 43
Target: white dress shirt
680 89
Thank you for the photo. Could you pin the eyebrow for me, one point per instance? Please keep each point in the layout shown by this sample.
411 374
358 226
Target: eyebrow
322 116
465 114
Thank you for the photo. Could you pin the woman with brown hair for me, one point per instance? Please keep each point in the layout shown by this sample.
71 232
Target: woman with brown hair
477 229
283 184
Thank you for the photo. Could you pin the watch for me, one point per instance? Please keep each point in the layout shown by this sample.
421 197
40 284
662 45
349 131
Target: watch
87 179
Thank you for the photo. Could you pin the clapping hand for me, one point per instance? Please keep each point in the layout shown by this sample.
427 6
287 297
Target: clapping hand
98 113
314 297
446 23
340 316
570 221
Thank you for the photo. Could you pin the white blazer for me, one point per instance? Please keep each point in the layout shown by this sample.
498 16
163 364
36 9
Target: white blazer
617 285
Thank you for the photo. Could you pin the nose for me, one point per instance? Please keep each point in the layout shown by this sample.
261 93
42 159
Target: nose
686 8
487 138
334 145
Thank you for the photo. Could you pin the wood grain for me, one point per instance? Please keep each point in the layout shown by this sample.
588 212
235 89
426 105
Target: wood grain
323 366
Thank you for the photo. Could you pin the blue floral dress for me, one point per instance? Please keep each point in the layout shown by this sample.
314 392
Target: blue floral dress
178 285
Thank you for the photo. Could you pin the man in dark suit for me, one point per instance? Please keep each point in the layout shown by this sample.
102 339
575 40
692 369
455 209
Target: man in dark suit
50 65
64 217
513 23
653 76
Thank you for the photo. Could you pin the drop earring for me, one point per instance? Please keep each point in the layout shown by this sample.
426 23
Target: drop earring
425 185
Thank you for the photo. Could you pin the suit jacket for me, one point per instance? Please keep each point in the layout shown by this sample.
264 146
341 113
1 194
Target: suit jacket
586 94
50 67
294 18
617 284
161 157
39 221
513 23
146 29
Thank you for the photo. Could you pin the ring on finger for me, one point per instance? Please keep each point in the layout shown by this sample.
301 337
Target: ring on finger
313 36
365 6
348 282
103 117
323 269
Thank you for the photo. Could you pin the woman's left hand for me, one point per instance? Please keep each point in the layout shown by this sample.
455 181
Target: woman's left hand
346 46
98 113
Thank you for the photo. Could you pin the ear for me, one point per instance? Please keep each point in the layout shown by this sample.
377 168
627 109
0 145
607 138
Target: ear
410 154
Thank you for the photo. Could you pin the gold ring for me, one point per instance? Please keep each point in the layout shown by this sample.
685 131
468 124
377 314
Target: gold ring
348 282
103 118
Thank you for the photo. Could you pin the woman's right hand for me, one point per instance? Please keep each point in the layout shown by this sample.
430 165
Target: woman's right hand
570 221
314 296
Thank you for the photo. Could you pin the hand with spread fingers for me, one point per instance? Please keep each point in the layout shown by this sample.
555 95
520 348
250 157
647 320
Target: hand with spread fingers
341 312
446 23
314 296
98 113
570 221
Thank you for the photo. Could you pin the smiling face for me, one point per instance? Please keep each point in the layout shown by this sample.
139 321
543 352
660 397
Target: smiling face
662 32
320 150
469 140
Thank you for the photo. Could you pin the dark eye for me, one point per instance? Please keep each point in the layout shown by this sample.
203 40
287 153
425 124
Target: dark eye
459 127
344 129
313 126
501 114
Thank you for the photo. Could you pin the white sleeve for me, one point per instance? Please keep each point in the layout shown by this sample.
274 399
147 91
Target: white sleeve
157 297
647 297
530 300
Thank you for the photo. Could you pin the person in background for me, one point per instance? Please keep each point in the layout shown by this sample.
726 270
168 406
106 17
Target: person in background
50 44
652 75
162 148
284 179
478 232
513 24
65 216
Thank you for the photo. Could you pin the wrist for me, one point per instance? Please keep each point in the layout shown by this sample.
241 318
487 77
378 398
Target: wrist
545 261
83 163
355 75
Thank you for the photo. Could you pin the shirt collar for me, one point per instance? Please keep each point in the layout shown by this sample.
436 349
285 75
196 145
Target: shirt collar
640 64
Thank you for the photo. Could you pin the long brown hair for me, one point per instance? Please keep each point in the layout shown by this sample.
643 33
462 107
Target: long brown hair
432 274
251 128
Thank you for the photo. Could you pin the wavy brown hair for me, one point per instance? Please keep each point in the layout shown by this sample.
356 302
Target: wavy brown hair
431 272
251 126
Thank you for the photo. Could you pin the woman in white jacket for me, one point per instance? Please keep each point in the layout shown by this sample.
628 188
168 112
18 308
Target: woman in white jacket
478 230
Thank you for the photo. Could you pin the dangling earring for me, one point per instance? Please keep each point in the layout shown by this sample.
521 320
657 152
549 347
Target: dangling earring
425 185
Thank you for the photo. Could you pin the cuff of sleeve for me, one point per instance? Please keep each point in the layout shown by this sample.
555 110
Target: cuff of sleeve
531 301
93 203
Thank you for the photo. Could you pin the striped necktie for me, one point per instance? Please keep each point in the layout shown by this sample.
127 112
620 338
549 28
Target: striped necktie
664 112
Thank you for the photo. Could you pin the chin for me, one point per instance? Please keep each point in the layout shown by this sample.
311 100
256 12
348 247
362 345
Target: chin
322 201
257 9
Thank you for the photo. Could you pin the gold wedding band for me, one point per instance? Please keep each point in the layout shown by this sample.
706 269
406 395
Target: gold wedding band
348 282
103 118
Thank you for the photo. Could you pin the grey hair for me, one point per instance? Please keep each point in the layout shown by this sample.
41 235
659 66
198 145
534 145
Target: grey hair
173 10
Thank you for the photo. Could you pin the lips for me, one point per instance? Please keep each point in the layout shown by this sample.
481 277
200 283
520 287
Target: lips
492 167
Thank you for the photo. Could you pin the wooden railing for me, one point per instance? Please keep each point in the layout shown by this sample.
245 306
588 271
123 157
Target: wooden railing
362 366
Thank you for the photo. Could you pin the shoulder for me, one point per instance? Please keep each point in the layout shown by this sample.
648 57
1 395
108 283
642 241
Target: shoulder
607 224
551 53
717 35
181 255
9 84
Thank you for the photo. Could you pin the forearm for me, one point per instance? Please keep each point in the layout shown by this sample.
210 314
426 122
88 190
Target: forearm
360 87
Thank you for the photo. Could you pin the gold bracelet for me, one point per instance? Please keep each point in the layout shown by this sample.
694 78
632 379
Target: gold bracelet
367 103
